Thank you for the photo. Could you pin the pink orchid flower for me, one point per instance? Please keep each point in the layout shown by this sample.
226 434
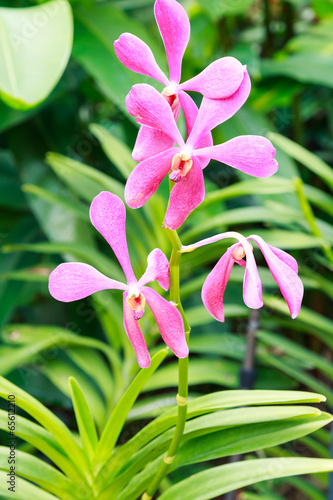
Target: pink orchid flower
219 80
251 154
74 281
283 267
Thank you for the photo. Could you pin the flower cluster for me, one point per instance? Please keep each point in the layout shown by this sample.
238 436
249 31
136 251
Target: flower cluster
161 150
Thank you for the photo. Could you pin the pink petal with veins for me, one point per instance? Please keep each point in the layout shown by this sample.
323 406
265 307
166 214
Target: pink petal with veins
150 142
185 196
137 56
286 258
190 110
213 112
146 177
150 108
215 284
158 269
108 216
174 27
287 279
169 321
75 281
219 80
252 154
135 336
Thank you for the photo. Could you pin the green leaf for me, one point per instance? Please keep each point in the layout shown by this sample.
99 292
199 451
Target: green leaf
24 489
219 480
306 68
118 152
36 470
311 161
85 181
84 419
200 406
119 414
46 418
35 46
43 440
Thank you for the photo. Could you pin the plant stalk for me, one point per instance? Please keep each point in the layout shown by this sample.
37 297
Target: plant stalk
182 370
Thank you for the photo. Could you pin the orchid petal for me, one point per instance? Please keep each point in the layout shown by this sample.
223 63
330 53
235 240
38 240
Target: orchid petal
74 281
150 108
174 27
185 196
251 154
146 177
215 284
190 110
287 279
286 258
169 321
137 56
252 288
213 112
158 269
150 142
108 216
135 336
219 80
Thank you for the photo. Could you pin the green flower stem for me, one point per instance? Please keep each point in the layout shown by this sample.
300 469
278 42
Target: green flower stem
182 370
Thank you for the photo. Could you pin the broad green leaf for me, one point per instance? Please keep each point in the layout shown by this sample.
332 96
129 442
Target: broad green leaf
218 480
311 161
35 45
36 470
84 419
216 10
119 414
306 68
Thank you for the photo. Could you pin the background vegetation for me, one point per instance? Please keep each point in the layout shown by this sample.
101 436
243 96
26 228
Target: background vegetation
57 156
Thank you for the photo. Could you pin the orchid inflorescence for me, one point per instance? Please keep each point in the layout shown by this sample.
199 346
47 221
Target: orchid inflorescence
161 150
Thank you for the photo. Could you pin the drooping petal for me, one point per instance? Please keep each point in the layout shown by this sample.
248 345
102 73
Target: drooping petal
174 27
219 80
169 322
287 279
190 110
74 281
252 154
135 336
137 56
146 177
150 108
185 196
286 258
158 269
150 142
215 284
213 112
252 288
108 216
